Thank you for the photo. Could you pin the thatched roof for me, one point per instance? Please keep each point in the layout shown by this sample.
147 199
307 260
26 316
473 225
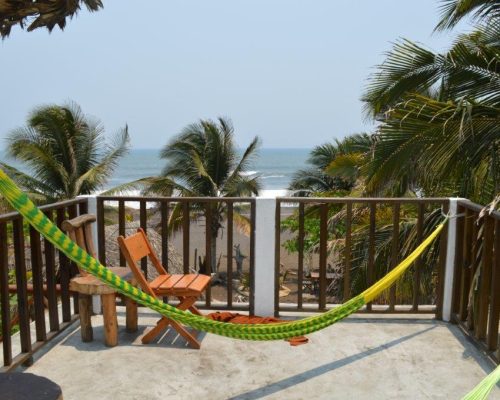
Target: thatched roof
175 265
40 13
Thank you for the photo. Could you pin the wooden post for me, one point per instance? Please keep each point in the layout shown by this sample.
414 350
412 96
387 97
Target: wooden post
110 319
85 308
323 254
371 250
131 315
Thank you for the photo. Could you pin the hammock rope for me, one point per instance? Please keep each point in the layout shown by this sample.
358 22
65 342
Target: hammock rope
483 389
20 201
48 229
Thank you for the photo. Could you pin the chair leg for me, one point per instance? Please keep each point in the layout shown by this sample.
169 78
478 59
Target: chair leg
85 311
187 303
185 334
162 324
194 310
131 315
110 319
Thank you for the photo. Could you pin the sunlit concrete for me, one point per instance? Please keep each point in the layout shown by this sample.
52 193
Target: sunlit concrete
403 357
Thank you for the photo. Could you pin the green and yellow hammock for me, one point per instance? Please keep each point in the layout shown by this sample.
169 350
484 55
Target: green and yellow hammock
51 232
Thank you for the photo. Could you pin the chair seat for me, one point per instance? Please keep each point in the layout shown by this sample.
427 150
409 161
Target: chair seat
179 284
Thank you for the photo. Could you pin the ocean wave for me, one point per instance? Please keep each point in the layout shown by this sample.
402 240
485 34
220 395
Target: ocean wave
249 173
273 176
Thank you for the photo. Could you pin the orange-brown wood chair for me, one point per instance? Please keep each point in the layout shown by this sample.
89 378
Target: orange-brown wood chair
187 288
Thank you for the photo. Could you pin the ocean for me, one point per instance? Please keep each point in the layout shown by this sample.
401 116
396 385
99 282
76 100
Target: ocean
275 167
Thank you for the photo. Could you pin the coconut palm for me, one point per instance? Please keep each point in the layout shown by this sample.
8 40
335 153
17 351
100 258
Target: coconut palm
203 161
439 117
65 152
452 11
469 70
334 167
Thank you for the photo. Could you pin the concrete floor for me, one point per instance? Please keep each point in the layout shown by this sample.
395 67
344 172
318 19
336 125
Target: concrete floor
359 358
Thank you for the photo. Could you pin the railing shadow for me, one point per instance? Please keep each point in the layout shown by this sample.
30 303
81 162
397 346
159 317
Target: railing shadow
322 369
471 350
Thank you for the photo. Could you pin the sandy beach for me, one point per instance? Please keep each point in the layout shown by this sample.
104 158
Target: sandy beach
197 250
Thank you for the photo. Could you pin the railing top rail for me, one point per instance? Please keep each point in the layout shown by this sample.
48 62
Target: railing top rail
178 199
47 207
477 208
346 200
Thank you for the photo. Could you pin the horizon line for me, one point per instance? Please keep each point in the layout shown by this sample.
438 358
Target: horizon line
263 147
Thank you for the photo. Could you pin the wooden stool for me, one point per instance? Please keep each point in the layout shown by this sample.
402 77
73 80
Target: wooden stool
87 286
79 229
26 386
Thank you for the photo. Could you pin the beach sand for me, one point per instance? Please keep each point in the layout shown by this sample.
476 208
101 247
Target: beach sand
197 249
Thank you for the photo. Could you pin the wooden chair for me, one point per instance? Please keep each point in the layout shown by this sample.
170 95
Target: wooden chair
79 230
187 288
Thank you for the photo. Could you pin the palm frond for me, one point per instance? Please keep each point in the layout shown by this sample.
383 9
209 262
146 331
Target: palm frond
40 13
453 11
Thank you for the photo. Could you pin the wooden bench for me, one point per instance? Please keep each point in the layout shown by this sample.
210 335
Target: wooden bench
79 229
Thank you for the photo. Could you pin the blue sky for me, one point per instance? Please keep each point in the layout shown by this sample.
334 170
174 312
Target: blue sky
289 71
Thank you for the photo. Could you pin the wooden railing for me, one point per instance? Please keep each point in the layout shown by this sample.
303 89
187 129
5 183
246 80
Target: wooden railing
476 286
340 221
39 283
361 238
183 224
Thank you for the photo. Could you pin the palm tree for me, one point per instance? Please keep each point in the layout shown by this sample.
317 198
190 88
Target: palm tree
202 161
452 11
439 116
40 13
334 167
65 152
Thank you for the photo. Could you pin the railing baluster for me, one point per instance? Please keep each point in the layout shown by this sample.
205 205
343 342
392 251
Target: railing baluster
371 250
185 236
277 257
493 320
121 226
143 222
72 212
323 238
347 252
83 207
485 278
229 252
458 269
252 257
418 261
64 273
475 262
300 271
50 277
164 234
441 266
208 250
466 265
101 233
36 269
4 295
21 284
395 252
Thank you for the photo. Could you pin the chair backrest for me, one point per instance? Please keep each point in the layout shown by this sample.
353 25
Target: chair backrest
134 248
79 230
